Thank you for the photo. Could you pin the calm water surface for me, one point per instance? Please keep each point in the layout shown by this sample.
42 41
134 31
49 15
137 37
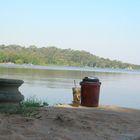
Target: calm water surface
54 84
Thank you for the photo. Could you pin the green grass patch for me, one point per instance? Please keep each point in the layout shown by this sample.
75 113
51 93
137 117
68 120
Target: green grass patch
29 107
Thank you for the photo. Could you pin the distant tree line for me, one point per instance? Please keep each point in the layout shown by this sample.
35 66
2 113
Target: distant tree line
56 56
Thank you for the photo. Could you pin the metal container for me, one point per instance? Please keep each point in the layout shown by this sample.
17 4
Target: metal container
90 90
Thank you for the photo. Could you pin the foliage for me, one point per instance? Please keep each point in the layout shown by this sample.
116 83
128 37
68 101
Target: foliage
29 107
55 56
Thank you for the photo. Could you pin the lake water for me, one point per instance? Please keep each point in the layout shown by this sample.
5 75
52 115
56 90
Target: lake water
54 84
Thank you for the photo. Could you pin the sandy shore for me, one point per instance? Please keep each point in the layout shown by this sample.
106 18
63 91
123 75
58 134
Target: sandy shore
69 123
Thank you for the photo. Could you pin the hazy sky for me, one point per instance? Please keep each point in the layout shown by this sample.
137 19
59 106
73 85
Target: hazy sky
107 28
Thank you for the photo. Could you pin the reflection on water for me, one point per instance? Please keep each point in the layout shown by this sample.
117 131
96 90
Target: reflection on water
55 86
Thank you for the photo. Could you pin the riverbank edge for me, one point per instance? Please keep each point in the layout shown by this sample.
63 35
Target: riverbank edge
64 121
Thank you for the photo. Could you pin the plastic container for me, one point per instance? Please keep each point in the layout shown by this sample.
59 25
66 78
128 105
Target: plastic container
76 96
90 90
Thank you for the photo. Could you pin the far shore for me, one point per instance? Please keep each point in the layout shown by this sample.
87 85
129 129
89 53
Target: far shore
66 67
